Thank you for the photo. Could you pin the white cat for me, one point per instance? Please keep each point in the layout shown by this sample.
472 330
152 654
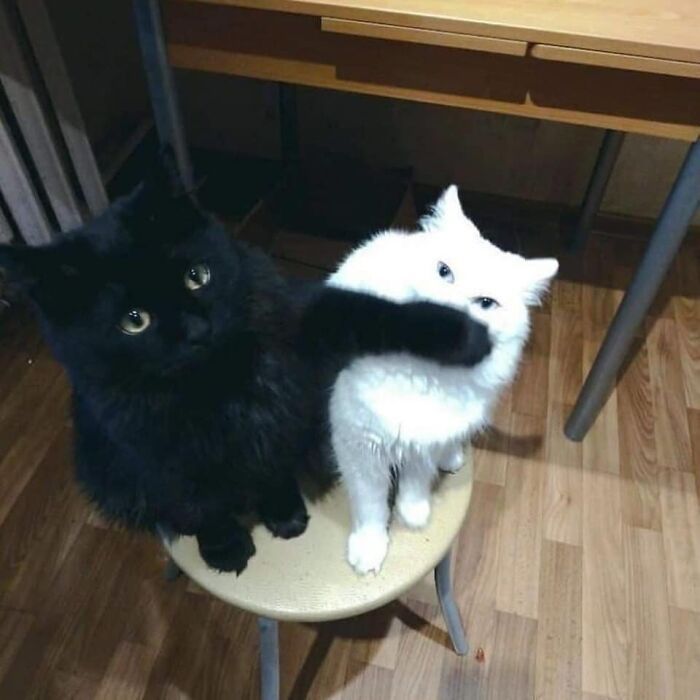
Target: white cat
412 414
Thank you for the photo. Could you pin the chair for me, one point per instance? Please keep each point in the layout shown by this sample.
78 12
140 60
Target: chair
308 579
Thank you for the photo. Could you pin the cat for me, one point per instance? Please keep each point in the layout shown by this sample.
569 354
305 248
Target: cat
409 414
194 398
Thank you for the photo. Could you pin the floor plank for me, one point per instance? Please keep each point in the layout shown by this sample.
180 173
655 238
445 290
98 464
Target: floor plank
512 674
671 421
685 642
649 656
680 516
418 666
687 315
127 673
601 448
530 391
637 440
604 609
521 529
491 446
562 498
558 671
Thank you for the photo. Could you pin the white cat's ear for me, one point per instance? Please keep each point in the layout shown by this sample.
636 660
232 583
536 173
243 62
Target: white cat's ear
537 275
447 215
448 205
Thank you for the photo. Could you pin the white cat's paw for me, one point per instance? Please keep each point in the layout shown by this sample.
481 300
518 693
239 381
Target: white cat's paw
453 463
367 549
415 513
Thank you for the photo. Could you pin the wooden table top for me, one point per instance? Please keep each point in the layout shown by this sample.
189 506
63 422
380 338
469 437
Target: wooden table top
665 29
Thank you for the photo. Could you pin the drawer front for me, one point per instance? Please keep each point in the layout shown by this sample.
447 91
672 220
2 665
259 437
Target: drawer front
605 59
390 32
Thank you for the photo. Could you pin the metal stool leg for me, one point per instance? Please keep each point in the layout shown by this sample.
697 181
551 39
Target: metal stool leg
609 150
161 85
172 571
443 584
269 659
670 230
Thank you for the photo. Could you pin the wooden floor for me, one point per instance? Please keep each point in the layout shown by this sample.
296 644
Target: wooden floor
577 572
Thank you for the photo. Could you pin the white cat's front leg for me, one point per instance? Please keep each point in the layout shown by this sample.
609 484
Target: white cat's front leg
367 548
413 499
452 458
367 479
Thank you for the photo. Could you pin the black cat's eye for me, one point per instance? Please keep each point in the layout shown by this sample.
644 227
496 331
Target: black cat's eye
135 321
197 277
445 272
485 302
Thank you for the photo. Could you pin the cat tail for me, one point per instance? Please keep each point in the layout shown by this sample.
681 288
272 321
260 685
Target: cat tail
344 324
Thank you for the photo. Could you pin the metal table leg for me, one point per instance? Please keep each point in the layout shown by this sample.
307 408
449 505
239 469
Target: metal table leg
269 659
161 84
443 584
670 230
607 155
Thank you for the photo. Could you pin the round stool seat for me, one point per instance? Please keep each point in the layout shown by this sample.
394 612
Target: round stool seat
309 579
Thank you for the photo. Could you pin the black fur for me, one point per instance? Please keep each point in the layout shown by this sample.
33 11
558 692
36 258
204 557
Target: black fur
338 323
203 416
211 412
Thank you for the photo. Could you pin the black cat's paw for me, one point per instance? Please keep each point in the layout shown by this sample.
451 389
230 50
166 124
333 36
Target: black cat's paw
475 343
228 556
290 527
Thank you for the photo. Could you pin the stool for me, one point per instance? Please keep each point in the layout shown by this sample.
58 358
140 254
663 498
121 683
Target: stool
308 579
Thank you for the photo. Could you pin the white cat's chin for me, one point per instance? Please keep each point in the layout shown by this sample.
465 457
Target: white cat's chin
367 549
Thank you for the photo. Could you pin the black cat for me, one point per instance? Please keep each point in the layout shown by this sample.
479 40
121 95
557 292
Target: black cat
194 392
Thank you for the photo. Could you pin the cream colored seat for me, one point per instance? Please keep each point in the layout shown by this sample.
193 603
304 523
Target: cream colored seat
309 579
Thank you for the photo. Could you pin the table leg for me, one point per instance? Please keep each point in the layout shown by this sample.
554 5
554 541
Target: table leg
668 235
607 155
269 659
443 584
161 84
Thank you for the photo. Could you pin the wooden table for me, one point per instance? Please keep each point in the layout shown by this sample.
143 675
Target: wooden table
620 65
524 58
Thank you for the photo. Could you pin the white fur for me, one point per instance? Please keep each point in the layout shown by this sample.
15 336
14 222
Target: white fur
402 411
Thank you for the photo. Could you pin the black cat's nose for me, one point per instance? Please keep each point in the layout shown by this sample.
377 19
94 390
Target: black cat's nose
196 328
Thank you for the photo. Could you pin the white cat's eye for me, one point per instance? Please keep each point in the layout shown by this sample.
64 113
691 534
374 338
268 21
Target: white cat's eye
135 321
486 303
445 272
197 277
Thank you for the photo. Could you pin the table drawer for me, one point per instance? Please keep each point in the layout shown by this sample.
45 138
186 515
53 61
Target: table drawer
390 32
606 59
